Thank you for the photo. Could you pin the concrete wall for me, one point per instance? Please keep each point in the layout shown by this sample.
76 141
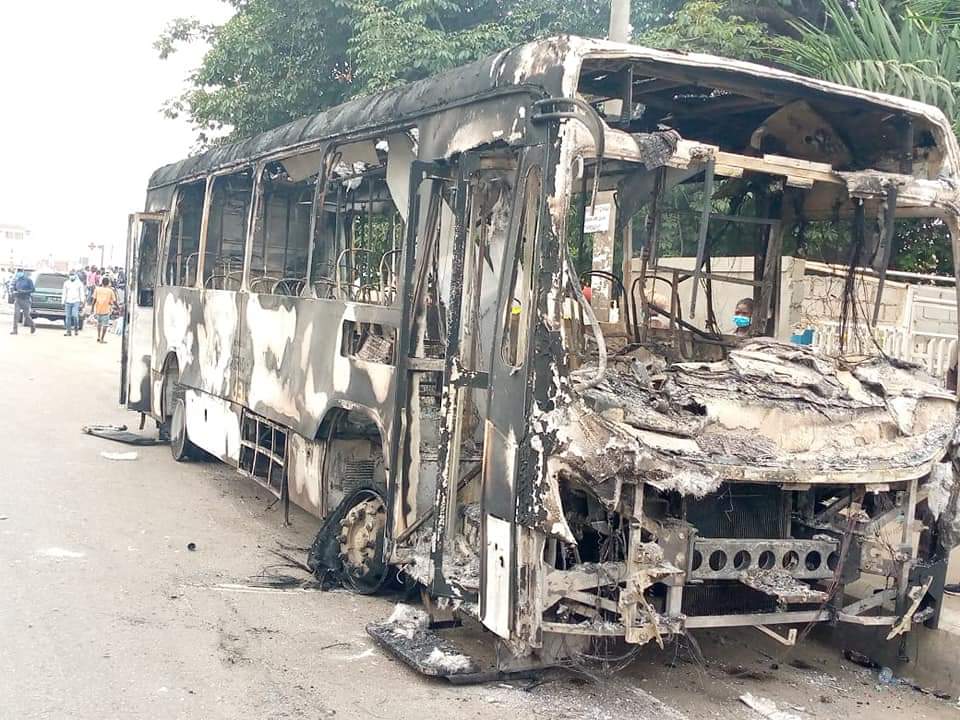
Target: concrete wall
934 309
726 295
823 299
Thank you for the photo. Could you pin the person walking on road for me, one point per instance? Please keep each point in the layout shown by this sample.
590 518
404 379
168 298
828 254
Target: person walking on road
22 297
73 292
92 282
104 298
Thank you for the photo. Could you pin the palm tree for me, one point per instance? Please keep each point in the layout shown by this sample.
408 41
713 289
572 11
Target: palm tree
911 50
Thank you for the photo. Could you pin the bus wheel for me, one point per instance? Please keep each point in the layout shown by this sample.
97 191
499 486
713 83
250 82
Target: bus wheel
180 445
361 543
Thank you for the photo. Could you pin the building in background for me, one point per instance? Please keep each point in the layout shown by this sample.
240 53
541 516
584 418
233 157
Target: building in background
15 245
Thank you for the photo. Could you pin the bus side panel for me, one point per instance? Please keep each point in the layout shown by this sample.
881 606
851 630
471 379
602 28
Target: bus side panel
292 366
199 327
304 465
214 425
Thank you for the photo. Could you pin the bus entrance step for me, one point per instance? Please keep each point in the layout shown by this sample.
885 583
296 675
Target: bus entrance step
424 650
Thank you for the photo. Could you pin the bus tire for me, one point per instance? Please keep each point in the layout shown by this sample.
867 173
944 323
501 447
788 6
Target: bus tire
180 446
361 539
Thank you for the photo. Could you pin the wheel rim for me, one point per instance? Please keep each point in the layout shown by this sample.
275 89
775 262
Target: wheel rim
361 543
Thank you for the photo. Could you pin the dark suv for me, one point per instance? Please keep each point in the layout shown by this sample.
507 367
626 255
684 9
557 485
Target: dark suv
48 295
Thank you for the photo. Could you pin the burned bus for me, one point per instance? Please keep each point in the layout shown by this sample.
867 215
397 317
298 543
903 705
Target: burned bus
374 313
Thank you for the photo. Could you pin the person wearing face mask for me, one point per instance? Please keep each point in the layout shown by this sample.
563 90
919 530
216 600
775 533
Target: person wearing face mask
73 292
22 301
743 317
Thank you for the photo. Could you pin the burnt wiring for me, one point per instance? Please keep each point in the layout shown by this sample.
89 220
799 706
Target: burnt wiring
848 304
578 375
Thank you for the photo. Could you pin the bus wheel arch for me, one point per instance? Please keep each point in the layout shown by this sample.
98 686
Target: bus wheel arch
351 544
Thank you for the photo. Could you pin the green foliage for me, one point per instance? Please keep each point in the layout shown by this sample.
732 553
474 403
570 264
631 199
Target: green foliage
914 52
922 245
417 38
401 40
705 26
277 60
273 61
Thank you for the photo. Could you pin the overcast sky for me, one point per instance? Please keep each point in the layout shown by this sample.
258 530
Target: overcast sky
81 130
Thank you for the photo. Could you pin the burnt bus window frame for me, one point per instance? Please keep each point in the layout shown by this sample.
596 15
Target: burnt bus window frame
210 259
175 270
286 284
326 272
514 336
148 260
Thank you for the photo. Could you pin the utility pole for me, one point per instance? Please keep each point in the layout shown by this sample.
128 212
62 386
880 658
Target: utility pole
619 20
604 237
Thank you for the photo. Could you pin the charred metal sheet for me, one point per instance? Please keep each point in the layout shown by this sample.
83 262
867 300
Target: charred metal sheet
407 634
729 558
783 586
767 407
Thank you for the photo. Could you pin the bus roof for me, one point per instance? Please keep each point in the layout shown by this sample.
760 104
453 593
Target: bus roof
553 67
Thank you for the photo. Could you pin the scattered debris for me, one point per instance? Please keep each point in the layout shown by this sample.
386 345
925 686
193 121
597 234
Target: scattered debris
119 456
766 707
335 645
783 586
61 553
858 658
119 433
886 678
447 663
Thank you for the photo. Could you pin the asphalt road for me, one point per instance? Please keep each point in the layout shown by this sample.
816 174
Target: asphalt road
105 613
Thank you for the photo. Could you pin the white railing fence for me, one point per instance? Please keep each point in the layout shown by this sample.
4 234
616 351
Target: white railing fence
934 351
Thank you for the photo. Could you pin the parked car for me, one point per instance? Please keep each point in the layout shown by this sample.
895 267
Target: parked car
48 296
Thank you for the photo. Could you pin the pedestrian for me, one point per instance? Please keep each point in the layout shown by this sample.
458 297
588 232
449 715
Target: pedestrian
104 298
22 301
93 280
73 292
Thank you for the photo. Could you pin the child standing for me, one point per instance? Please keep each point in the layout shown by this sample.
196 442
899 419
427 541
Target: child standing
103 301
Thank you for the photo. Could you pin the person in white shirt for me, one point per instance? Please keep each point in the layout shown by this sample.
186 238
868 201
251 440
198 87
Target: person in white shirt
73 292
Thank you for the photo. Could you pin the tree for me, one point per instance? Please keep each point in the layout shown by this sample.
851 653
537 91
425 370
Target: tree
706 26
911 49
272 62
277 60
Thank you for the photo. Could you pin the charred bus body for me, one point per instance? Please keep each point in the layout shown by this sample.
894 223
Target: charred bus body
373 313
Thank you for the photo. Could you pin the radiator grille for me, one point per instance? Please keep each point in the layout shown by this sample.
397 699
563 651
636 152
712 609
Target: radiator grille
724 598
739 511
